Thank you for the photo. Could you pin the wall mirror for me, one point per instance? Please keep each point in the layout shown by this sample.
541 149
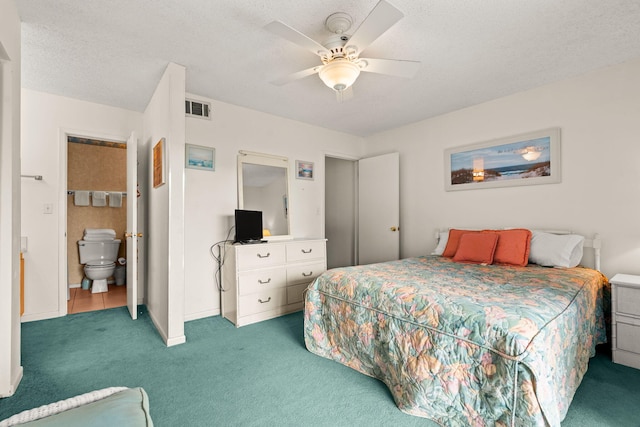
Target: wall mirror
263 185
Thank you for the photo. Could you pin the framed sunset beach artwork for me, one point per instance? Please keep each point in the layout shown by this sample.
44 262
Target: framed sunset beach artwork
526 159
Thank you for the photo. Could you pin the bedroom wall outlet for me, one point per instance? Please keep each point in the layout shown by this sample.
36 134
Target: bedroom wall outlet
47 208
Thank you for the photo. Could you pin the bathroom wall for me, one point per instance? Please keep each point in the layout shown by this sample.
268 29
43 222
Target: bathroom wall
95 166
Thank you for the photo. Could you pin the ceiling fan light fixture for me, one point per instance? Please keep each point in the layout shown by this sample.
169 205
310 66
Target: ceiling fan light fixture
338 23
339 74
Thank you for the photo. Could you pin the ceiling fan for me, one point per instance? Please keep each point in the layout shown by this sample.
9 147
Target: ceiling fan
340 54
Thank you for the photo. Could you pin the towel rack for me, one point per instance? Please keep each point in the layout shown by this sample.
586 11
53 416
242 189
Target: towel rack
72 192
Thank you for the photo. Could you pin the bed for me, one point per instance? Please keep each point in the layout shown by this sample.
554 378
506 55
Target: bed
463 343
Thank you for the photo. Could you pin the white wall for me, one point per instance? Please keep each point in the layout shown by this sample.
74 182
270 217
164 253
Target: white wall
599 117
597 113
211 197
46 119
164 117
10 369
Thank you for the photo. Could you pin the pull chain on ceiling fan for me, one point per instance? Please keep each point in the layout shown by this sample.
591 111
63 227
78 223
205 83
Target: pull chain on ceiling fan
340 54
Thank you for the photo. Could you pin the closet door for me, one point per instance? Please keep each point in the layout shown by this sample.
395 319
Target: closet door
379 209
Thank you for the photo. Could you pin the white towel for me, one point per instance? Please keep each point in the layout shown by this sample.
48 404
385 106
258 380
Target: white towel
115 199
99 198
110 231
98 234
81 198
97 237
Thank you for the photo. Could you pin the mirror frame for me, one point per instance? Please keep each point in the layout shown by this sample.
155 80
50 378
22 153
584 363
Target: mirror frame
250 157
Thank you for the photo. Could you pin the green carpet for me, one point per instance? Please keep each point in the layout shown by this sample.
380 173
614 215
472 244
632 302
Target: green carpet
257 375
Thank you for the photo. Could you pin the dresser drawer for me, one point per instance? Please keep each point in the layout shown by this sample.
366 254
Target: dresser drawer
259 256
260 280
261 301
628 300
302 251
304 273
628 337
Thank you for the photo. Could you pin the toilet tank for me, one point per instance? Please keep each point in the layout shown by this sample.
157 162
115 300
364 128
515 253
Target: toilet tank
94 251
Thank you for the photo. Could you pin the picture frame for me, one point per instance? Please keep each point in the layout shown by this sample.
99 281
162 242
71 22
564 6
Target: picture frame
159 163
304 170
526 159
200 157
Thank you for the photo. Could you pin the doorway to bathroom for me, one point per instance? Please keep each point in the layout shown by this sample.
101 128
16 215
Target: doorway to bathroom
96 199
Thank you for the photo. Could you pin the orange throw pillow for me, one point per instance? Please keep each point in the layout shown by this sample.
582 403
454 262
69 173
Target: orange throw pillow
454 241
477 248
513 247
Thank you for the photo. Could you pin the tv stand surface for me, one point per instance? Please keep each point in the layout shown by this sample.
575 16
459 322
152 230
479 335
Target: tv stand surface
251 242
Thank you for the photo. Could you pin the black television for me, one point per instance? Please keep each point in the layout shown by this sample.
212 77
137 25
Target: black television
248 226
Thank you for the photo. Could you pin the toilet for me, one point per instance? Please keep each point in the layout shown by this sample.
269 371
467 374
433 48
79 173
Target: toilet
99 252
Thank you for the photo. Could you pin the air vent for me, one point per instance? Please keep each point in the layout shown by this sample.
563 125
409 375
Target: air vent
197 109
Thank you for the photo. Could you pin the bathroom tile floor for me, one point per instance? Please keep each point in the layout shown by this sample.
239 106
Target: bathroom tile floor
83 300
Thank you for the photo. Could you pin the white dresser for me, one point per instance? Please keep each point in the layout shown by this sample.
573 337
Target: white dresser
266 280
625 319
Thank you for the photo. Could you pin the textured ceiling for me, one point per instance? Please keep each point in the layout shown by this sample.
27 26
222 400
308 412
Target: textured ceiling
114 52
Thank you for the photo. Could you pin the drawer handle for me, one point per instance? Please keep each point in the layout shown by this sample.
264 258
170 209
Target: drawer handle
307 275
264 256
262 282
264 302
306 252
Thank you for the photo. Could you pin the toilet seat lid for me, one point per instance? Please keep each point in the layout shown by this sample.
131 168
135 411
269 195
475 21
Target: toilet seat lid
101 263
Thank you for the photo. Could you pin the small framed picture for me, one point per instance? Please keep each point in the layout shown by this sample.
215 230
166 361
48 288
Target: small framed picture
199 157
159 169
304 170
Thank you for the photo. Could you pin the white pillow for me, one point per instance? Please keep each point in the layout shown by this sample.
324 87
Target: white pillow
442 243
556 250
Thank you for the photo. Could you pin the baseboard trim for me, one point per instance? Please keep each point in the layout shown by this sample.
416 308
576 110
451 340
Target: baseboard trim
40 316
159 328
201 315
176 340
14 384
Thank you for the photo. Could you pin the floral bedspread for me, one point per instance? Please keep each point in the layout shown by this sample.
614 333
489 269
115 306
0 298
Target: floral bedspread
462 344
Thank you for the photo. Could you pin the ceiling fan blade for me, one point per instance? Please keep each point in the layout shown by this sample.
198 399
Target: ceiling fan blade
344 95
295 76
381 18
296 37
392 67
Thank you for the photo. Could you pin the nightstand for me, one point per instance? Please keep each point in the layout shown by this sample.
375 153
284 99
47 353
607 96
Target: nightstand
625 319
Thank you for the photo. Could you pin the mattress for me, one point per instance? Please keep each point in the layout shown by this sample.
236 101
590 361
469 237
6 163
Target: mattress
462 344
